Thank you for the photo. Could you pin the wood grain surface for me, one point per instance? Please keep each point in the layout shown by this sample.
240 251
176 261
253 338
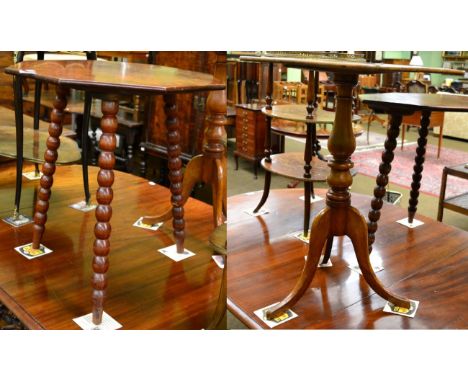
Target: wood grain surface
291 165
350 67
146 290
415 101
428 264
116 77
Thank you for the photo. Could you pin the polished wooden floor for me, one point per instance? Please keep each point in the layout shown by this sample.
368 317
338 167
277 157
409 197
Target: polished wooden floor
429 264
146 290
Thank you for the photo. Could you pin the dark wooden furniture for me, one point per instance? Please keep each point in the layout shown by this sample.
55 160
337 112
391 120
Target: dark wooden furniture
107 80
18 83
339 218
146 289
397 105
250 135
192 112
209 167
430 264
458 203
289 164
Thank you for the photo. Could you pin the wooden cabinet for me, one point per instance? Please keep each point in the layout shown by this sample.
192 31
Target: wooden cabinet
6 81
250 134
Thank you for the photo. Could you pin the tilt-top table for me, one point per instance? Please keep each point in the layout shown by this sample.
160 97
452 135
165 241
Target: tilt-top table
109 80
339 218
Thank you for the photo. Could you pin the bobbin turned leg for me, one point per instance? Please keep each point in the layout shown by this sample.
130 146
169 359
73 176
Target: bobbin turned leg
382 179
48 168
104 195
175 170
418 164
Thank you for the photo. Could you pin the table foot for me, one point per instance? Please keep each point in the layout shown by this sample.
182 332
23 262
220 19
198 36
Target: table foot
48 168
86 322
357 232
266 191
318 237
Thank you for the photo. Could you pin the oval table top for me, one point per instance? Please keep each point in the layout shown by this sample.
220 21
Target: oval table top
116 77
343 66
416 101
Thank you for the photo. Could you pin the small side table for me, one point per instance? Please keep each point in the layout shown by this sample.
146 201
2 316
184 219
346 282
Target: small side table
339 217
457 203
398 105
109 81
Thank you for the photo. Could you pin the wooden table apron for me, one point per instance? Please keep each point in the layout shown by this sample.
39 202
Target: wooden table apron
108 80
339 218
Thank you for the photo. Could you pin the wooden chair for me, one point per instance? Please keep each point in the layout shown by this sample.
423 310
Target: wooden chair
415 86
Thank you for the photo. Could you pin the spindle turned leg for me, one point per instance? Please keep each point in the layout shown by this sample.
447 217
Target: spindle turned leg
48 167
175 170
418 164
104 196
208 167
382 179
338 218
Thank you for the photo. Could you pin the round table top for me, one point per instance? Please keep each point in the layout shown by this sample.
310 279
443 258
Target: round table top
116 77
416 101
298 113
291 165
343 66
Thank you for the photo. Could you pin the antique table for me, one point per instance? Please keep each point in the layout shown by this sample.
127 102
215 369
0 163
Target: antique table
397 105
339 218
109 80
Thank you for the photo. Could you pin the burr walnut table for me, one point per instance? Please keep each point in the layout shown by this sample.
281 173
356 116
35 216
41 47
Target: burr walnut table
397 105
430 264
147 290
108 81
339 218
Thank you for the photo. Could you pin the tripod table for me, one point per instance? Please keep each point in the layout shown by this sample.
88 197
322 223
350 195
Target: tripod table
339 217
